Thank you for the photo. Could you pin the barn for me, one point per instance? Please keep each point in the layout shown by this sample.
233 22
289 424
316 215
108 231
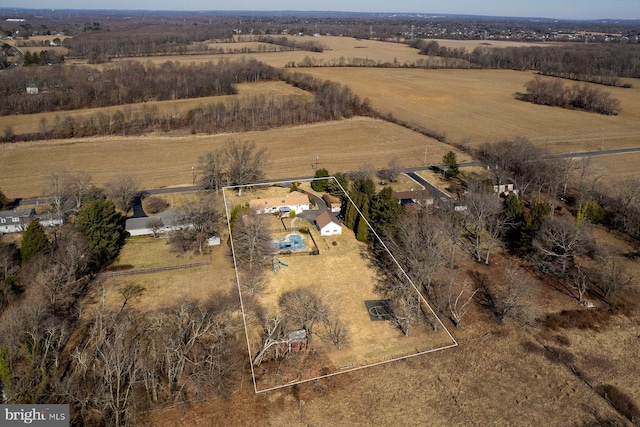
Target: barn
327 225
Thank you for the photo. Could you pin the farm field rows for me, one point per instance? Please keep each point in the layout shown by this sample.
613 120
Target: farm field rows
476 106
161 160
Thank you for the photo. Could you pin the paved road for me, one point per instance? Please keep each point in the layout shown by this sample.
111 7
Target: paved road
411 170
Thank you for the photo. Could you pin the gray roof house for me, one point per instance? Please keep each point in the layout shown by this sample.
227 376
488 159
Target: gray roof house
16 221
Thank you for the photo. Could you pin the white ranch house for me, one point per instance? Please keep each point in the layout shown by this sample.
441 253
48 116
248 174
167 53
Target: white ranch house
295 201
17 221
165 222
327 225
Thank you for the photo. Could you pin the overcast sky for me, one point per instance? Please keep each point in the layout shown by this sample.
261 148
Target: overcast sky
560 9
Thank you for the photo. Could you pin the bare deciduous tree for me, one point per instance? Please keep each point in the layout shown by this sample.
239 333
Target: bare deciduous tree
512 296
393 170
198 222
251 241
211 169
79 186
58 190
416 243
459 298
155 225
558 242
613 275
246 162
402 299
122 191
302 308
483 207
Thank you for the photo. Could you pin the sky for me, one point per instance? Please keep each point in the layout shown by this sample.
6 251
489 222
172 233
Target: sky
558 9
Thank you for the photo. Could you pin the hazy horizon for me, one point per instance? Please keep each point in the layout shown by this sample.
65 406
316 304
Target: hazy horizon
567 9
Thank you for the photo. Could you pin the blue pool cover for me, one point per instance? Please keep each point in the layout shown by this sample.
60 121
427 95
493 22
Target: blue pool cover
293 242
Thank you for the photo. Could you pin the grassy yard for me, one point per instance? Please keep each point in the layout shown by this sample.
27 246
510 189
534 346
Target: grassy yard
342 275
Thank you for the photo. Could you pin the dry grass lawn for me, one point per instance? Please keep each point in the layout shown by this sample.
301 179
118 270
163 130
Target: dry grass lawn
165 289
160 160
344 277
147 252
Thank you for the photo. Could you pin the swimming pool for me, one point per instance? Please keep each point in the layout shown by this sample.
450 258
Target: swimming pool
293 242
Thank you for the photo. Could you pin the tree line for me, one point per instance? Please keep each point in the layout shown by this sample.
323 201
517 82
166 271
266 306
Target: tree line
330 101
595 63
293 44
78 87
548 225
155 39
578 96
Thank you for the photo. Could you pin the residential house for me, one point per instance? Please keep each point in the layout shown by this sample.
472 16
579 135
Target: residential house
166 221
505 189
295 201
327 225
16 221
420 197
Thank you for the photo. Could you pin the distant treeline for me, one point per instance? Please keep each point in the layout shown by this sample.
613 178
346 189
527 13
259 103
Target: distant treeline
77 87
579 96
293 44
330 101
596 63
101 46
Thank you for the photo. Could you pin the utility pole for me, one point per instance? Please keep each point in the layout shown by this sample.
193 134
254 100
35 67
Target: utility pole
315 165
424 163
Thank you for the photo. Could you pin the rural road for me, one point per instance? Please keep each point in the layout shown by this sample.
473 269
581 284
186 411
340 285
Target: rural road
409 171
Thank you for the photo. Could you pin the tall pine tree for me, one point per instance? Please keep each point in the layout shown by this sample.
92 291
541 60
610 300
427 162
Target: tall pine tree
104 227
34 241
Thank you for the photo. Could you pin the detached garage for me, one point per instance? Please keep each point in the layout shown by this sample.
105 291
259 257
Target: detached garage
327 225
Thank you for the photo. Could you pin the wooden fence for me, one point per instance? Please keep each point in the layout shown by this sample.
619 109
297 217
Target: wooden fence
153 269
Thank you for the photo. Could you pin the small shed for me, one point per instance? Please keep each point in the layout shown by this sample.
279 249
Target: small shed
297 341
213 241
32 90
327 225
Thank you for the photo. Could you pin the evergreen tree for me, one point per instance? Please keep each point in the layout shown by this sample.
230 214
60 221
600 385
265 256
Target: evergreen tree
320 184
34 241
362 231
4 201
104 227
351 214
450 161
334 188
385 209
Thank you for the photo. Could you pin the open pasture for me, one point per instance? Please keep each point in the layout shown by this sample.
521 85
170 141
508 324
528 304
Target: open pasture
26 123
160 161
476 106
